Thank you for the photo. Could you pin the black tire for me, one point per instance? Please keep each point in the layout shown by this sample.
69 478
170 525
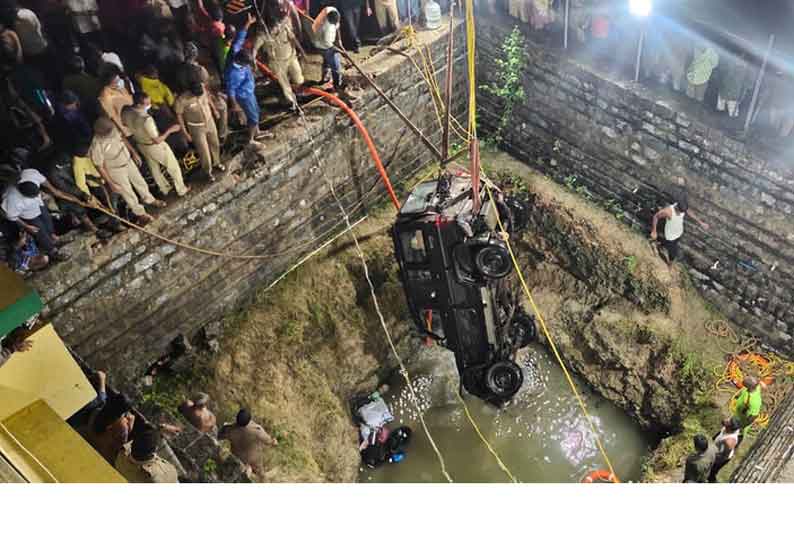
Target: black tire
505 215
473 382
523 330
504 379
493 261
519 214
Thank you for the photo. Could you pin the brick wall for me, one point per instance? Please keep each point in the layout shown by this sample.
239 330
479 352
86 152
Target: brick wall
121 304
626 149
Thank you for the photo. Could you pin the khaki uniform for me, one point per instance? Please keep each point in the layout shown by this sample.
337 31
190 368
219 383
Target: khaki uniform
282 57
219 101
113 100
247 442
386 14
144 131
197 116
110 152
154 471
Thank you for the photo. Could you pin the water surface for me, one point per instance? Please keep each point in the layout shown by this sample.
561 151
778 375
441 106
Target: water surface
542 436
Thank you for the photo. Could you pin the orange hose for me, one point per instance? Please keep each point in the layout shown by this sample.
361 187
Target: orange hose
363 131
373 152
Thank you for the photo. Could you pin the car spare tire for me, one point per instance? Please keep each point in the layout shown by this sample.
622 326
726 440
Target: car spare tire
523 330
504 379
493 260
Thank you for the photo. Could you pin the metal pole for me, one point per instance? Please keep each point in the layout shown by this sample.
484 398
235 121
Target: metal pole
757 87
565 27
415 129
639 55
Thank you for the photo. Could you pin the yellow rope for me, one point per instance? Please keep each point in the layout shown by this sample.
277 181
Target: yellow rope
375 302
549 338
743 359
470 45
485 441
427 73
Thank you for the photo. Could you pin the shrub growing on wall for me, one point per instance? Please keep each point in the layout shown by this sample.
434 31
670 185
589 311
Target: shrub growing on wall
508 86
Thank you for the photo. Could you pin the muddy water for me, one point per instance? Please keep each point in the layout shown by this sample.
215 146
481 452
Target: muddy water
542 436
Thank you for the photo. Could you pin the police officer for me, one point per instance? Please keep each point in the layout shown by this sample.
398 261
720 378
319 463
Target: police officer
194 112
141 464
116 161
153 145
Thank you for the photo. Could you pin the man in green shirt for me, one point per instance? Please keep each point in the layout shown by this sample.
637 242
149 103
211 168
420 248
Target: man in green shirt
748 403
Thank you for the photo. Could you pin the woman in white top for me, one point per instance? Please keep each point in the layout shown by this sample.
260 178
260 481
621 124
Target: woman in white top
726 442
673 216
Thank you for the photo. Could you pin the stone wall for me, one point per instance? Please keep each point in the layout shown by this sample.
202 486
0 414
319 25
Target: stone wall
121 303
625 148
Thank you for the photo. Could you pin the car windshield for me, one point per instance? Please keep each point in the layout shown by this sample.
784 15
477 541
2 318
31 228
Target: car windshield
419 198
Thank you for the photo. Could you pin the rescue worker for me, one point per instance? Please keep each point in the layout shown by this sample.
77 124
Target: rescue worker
197 413
152 144
195 115
140 463
699 464
247 439
282 49
91 184
111 427
748 404
673 216
325 30
726 442
116 161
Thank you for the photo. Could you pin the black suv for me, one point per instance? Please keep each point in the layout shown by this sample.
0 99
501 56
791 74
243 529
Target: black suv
455 269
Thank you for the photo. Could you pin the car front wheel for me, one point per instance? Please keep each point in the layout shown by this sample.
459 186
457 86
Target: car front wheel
504 379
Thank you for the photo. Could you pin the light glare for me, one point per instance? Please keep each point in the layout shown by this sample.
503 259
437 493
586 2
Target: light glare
640 8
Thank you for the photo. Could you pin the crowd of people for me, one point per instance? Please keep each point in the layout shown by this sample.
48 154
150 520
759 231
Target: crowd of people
711 455
130 443
719 76
119 103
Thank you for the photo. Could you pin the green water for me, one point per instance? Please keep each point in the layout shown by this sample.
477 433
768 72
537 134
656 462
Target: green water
542 436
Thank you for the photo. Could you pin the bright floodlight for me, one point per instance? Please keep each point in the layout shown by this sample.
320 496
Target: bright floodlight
640 8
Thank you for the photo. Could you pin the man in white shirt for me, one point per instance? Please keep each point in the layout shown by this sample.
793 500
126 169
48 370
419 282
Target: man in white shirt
22 204
673 216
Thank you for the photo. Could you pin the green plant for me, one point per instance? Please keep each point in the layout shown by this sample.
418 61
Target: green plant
570 181
613 206
210 467
692 371
508 85
631 263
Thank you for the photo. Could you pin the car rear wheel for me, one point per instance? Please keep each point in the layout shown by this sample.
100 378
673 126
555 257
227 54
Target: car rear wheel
523 330
504 379
493 261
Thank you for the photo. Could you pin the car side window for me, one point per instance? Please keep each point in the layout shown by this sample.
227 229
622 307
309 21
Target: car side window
414 247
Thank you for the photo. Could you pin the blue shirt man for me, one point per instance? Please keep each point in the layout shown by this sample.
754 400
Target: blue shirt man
240 84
